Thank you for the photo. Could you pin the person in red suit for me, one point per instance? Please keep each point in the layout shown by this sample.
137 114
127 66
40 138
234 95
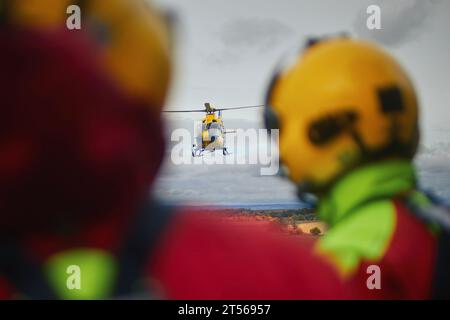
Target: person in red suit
79 151
347 114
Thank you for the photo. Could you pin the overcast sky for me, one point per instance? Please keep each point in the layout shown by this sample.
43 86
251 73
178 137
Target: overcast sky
228 49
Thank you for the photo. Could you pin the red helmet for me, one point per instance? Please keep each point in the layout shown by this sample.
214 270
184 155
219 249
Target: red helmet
72 148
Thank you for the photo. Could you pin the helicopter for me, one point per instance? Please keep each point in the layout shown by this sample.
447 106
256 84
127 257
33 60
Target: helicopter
211 136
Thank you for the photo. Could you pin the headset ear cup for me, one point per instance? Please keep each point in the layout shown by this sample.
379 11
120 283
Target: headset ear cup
271 119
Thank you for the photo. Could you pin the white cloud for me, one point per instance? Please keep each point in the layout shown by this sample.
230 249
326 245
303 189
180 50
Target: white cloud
243 38
401 20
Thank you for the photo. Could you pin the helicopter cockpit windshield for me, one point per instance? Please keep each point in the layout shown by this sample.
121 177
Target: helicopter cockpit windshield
214 130
212 125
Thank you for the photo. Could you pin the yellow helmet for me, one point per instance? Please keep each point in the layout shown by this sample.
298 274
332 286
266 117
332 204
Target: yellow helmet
136 44
43 13
342 103
133 38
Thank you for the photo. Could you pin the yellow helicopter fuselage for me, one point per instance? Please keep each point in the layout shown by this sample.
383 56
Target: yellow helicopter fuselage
212 132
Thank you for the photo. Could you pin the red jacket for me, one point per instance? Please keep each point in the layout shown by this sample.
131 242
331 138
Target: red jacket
206 256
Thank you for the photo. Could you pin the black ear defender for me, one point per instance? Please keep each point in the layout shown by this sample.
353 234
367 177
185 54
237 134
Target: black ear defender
325 129
271 121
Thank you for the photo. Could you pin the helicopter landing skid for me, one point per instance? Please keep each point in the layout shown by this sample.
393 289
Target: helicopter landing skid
197 152
200 152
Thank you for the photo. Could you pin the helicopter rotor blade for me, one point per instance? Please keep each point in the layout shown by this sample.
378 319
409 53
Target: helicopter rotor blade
214 109
182 111
240 107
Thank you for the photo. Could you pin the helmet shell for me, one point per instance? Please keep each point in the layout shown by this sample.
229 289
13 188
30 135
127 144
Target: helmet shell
341 103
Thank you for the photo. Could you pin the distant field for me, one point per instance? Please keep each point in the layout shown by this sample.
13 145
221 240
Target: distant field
295 221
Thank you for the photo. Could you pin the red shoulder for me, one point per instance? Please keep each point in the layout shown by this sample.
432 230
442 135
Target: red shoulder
412 253
407 267
208 256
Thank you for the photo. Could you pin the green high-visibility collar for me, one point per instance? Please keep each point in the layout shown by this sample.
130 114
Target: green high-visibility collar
361 214
377 181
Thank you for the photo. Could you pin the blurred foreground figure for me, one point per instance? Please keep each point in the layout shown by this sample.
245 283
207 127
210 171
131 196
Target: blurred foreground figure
347 114
81 143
